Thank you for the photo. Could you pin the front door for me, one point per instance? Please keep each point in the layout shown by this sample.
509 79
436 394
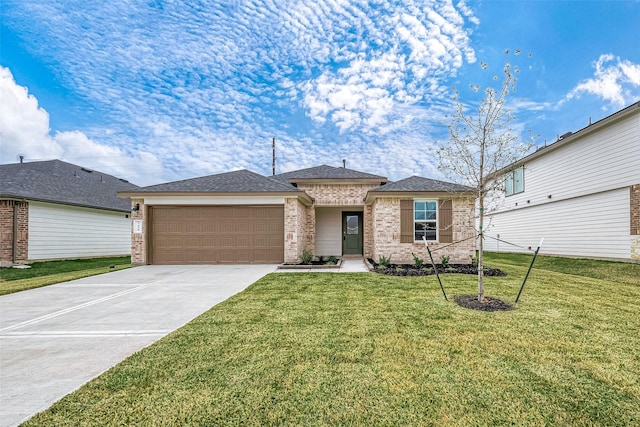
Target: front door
352 233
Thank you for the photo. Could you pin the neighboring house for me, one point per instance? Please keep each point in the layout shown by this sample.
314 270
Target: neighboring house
244 217
57 210
581 193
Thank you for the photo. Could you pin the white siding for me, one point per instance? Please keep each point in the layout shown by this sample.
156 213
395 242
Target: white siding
592 226
605 160
58 231
328 231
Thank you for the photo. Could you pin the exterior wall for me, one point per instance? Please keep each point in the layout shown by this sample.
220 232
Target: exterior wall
139 237
349 197
577 197
634 212
295 229
59 231
8 241
386 234
596 226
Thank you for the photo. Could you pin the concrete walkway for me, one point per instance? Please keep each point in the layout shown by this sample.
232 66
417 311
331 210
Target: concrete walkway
56 338
355 265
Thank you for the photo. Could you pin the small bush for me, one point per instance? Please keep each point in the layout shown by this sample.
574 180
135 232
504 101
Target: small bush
417 261
384 261
444 260
306 257
332 260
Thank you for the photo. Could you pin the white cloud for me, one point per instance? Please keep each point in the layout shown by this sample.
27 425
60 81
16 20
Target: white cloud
615 80
24 130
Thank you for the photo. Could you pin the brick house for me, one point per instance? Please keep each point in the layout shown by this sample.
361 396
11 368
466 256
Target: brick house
56 210
244 217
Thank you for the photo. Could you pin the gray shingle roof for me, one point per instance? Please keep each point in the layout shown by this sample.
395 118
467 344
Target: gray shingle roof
241 181
418 184
60 182
327 172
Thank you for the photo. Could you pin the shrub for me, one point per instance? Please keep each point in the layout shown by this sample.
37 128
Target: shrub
444 260
332 260
384 261
417 261
306 257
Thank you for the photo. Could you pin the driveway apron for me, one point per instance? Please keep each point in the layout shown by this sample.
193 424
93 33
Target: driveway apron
56 338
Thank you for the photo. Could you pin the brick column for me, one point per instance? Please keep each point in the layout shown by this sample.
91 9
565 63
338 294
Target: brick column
138 239
14 232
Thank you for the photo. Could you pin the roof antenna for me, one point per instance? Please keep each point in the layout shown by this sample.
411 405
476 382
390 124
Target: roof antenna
344 163
273 163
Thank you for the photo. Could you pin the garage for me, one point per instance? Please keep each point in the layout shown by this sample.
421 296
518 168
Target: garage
216 234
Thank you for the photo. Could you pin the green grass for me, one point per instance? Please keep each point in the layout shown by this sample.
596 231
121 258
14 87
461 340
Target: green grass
51 272
366 349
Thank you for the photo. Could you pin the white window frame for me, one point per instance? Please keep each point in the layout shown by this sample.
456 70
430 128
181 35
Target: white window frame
434 221
511 181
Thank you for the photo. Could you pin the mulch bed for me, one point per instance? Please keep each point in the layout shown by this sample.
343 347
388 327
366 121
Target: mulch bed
427 270
489 304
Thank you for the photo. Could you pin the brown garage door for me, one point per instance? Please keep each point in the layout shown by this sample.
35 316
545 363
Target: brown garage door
216 234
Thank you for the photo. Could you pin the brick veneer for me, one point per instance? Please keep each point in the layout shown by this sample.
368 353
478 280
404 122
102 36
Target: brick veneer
344 196
295 226
138 241
634 211
386 233
7 209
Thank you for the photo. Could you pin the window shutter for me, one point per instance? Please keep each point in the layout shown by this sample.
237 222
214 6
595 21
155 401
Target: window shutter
445 220
406 221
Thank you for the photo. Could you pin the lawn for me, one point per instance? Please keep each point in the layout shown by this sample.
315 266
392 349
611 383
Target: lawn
367 349
50 272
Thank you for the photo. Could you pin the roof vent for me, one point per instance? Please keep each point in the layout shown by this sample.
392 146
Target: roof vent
86 170
123 180
564 135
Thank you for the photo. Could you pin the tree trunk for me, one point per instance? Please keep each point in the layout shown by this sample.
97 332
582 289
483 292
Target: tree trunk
480 250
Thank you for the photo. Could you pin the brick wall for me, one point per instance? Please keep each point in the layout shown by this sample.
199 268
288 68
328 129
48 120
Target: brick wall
295 229
340 195
138 240
7 209
386 233
634 209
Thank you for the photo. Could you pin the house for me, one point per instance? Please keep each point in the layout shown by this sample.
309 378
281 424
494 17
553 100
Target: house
245 217
55 210
581 193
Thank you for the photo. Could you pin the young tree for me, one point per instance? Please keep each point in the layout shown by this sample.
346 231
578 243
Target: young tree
481 143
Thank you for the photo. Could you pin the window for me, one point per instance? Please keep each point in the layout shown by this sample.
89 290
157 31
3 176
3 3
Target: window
425 219
514 181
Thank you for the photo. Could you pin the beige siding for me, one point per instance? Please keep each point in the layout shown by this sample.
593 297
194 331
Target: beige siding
328 231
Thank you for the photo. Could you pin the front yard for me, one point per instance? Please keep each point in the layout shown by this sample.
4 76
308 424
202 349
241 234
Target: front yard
368 349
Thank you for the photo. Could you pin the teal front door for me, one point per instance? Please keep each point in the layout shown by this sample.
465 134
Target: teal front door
352 233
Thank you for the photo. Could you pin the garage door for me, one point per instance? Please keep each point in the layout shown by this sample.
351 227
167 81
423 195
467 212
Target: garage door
216 234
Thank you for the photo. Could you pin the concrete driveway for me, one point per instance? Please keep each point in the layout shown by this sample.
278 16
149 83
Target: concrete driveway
56 338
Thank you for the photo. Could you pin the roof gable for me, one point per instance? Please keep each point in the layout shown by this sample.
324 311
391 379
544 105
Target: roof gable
325 172
240 181
420 184
60 182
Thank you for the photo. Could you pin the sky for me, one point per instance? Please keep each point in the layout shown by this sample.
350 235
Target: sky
156 91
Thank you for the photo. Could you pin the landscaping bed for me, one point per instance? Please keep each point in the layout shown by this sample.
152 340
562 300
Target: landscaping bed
427 270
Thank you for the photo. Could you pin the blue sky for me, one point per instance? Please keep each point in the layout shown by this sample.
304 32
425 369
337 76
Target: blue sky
155 91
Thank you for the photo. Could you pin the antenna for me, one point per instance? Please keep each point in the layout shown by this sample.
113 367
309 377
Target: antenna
273 163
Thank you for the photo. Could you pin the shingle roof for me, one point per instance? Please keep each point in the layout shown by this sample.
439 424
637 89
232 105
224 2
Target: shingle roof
60 182
241 181
327 172
418 183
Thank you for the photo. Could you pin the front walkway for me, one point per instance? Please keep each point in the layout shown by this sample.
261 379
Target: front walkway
355 265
